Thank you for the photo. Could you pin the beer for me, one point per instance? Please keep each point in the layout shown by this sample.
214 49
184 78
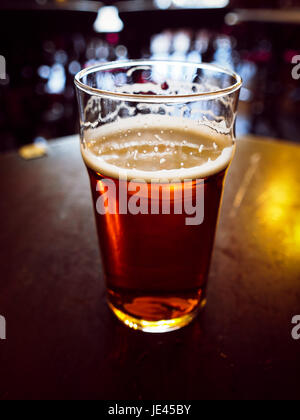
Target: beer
157 138
156 257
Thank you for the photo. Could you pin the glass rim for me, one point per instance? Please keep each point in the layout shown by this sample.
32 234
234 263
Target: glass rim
190 97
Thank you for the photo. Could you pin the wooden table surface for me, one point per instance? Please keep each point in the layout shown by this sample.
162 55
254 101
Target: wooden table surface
63 342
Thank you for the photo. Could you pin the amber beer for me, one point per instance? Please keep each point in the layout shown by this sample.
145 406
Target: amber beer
155 262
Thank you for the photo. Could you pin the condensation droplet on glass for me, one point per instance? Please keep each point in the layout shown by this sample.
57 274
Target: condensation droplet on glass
162 161
139 134
155 149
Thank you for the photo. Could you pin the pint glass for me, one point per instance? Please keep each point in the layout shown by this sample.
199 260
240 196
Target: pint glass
157 138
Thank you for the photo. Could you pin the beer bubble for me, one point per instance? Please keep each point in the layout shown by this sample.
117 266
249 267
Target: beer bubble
155 149
139 134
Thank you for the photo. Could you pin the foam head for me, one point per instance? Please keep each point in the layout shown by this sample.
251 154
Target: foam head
156 147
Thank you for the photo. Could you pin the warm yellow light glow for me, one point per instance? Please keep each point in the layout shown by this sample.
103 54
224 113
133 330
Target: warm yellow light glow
279 212
296 236
274 213
277 200
154 326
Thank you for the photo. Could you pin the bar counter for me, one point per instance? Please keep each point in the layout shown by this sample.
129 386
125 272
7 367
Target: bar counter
63 342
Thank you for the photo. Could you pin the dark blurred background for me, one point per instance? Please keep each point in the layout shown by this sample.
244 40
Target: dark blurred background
45 42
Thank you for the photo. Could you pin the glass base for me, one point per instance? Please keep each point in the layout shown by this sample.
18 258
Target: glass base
162 326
